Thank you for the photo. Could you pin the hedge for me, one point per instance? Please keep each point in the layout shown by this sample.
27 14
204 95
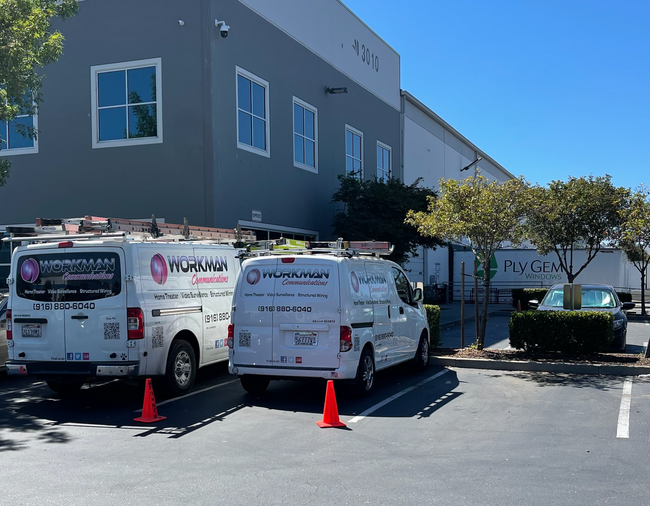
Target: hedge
526 294
433 316
572 332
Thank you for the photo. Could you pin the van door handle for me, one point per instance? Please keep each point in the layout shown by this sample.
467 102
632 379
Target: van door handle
401 310
389 311
79 317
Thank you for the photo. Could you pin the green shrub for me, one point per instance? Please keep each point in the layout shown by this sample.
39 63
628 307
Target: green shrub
526 294
573 332
624 296
433 316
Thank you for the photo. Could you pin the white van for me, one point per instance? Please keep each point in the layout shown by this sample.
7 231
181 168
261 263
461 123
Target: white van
325 314
113 306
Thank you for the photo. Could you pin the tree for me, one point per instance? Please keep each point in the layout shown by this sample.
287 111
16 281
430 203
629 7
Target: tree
483 213
375 210
579 214
635 235
27 43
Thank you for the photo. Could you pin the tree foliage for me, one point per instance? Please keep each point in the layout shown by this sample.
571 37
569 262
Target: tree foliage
581 213
375 210
27 43
484 214
635 234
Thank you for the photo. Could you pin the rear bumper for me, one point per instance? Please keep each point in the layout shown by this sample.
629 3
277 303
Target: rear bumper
77 370
345 371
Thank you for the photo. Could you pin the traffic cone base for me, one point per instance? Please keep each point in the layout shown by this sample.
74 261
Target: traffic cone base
149 409
331 411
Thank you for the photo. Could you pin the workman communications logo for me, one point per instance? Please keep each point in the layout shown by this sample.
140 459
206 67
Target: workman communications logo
186 264
71 269
314 277
356 280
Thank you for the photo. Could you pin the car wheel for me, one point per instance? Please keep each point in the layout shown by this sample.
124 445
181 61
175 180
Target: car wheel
255 385
365 380
181 368
65 388
421 359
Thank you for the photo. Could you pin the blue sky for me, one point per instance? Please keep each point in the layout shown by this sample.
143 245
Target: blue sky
548 88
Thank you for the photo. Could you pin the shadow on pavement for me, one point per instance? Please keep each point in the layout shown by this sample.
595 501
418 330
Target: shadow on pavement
545 379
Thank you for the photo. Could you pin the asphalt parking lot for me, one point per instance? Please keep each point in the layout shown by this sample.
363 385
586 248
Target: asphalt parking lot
438 437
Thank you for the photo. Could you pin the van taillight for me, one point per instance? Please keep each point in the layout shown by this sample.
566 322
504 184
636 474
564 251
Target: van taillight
135 323
231 336
9 333
346 339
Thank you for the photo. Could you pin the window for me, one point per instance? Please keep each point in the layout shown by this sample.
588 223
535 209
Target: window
353 151
15 138
126 103
252 113
305 135
384 169
403 286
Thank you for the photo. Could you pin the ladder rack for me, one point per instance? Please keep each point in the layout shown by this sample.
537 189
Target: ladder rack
337 248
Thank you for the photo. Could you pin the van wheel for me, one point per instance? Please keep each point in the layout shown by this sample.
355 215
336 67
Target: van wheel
421 359
65 388
365 380
181 368
255 385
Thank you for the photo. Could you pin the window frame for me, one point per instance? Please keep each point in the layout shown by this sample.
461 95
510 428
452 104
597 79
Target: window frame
21 151
359 133
385 147
239 71
314 110
95 70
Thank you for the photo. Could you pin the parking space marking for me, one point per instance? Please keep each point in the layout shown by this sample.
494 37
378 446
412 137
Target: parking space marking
623 427
191 394
393 397
19 390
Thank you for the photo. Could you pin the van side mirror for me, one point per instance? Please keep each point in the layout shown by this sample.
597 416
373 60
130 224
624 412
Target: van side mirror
628 305
418 296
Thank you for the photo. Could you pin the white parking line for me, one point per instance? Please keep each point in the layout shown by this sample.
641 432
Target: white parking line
623 427
18 390
190 395
393 397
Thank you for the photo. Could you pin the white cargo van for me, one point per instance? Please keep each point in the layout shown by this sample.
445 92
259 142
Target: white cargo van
114 306
333 314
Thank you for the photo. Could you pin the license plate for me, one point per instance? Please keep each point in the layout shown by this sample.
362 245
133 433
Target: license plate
31 331
305 338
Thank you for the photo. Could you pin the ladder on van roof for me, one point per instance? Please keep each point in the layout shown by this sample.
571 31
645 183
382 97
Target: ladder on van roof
339 247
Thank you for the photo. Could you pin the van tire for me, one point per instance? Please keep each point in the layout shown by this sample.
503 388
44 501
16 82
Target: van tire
365 380
255 385
421 359
65 388
181 368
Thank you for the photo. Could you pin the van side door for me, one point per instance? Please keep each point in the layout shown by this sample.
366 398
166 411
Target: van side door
409 317
385 312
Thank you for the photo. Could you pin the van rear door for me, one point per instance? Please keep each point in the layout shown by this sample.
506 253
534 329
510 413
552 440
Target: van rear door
306 318
253 314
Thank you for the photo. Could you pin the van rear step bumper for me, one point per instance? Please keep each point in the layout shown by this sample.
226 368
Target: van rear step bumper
83 369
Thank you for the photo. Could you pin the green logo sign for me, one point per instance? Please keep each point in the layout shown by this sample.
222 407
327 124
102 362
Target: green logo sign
493 267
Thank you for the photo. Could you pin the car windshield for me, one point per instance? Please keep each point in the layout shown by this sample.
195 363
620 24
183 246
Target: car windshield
591 297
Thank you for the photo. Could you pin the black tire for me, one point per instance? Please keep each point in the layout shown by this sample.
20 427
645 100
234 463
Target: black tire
181 368
255 385
65 387
365 380
421 359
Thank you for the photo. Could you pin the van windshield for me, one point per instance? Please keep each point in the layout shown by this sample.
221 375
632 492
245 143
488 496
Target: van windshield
591 297
68 277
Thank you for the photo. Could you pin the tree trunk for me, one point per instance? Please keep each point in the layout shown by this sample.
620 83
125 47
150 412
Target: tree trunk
484 307
570 277
643 275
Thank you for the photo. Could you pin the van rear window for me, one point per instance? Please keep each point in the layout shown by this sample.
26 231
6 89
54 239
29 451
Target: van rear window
68 277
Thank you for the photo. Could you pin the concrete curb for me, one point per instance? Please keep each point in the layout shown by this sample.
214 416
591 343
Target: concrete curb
556 367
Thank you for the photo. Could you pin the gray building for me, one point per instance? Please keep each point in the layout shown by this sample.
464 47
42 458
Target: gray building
152 111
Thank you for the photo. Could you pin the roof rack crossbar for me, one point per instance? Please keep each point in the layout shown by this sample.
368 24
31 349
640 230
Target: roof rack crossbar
68 237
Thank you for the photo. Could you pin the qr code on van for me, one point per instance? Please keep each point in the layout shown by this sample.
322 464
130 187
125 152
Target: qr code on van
157 337
111 331
245 339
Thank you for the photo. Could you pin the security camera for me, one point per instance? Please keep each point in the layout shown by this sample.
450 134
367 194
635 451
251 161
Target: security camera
223 27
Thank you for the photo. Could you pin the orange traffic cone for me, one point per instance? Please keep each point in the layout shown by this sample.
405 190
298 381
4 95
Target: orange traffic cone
519 305
149 409
331 411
